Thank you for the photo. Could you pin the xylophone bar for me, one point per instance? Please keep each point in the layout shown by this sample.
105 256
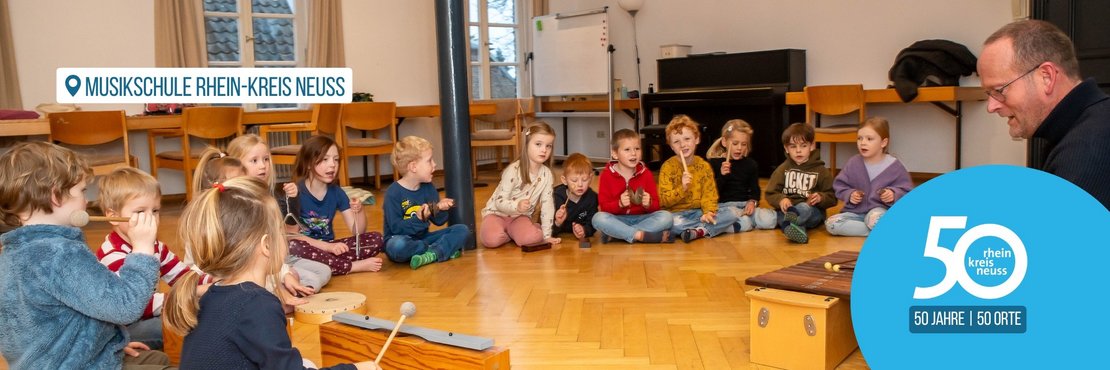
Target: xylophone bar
811 277
341 343
431 335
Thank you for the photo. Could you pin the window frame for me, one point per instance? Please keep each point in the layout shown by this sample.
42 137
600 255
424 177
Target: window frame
245 23
523 41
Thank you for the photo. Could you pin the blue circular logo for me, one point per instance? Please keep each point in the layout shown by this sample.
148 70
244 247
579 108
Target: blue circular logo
986 267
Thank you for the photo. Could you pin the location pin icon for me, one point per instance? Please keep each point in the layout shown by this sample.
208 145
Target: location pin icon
73 83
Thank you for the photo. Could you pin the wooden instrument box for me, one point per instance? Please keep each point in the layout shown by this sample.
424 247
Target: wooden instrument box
341 343
799 331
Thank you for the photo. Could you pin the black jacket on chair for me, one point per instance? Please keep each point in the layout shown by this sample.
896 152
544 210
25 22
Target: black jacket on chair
930 63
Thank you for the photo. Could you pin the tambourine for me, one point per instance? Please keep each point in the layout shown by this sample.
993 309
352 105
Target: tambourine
322 306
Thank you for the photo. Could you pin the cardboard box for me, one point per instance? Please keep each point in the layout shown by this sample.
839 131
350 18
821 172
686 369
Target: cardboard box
791 330
674 51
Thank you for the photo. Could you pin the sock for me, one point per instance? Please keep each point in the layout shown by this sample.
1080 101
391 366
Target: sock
692 234
422 259
658 237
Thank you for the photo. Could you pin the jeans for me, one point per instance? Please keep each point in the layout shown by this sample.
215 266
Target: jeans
762 218
691 218
808 216
854 224
147 331
444 242
624 227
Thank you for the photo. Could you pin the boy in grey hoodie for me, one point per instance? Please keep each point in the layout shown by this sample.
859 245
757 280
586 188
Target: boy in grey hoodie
801 188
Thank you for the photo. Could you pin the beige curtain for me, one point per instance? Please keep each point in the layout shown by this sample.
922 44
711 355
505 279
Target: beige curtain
179 39
9 77
325 34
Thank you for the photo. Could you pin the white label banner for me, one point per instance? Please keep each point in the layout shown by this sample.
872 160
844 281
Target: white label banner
204 85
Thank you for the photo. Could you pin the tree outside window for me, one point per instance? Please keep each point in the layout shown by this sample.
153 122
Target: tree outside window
493 30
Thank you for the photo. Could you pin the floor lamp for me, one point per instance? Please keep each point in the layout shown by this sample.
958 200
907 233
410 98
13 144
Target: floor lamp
633 7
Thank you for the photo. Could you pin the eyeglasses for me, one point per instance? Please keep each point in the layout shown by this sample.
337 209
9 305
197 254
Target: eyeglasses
998 94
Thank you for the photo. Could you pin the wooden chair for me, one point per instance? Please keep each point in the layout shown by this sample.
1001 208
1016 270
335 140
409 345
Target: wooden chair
209 123
834 100
372 117
511 115
93 128
325 119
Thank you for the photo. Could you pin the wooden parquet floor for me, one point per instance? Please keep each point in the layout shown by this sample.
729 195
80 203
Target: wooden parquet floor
614 306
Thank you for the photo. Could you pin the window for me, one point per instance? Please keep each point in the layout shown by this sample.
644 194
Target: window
493 27
254 33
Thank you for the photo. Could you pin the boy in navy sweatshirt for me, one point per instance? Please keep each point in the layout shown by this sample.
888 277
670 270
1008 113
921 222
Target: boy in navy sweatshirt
412 203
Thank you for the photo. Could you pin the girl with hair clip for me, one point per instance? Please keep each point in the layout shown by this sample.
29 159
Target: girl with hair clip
869 183
737 177
254 154
213 167
525 184
234 231
320 199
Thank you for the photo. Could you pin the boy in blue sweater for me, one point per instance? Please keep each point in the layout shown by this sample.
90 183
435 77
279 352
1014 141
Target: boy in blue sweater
53 311
411 203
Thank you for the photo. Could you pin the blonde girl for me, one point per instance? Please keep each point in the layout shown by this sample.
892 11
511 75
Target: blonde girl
320 199
737 177
870 182
234 232
525 184
215 166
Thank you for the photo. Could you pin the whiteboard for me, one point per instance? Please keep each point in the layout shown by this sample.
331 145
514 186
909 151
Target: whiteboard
570 54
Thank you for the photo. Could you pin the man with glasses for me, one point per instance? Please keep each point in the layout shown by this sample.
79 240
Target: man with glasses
1031 77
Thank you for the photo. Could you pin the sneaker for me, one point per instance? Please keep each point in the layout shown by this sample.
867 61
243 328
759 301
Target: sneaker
796 234
604 238
422 259
790 216
456 255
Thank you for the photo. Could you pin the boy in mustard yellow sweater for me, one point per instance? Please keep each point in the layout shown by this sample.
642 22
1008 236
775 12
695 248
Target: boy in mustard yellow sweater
687 188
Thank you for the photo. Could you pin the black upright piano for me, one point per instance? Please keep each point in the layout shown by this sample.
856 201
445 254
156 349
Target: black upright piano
713 89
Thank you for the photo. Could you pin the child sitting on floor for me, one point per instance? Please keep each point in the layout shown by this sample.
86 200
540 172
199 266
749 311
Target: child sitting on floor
59 307
576 201
412 203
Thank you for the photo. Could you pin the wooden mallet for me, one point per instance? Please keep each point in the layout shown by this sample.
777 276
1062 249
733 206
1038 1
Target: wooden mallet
839 265
683 158
407 309
82 218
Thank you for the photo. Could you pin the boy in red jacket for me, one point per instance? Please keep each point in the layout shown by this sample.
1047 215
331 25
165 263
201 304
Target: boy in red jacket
627 197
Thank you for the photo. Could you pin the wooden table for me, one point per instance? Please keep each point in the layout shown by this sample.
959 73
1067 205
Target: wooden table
40 126
939 96
630 107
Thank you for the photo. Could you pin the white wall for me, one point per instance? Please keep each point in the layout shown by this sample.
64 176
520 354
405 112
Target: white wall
391 46
51 34
850 41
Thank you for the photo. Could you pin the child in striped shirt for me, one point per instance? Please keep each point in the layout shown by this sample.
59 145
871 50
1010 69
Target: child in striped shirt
123 192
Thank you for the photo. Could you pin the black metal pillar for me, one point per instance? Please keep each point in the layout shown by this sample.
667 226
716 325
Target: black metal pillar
455 112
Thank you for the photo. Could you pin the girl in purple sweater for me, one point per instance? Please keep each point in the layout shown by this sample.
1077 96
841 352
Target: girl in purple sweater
869 183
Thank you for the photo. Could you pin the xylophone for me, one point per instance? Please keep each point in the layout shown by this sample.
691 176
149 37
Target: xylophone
800 317
353 338
813 277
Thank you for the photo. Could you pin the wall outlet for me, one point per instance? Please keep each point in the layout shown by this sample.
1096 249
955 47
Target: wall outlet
601 134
